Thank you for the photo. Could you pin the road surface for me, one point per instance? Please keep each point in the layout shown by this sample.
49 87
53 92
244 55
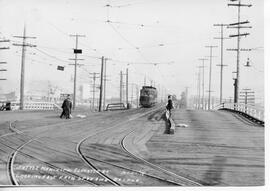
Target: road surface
131 147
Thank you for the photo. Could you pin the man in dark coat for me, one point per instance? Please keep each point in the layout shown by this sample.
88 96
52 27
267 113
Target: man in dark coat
66 106
169 105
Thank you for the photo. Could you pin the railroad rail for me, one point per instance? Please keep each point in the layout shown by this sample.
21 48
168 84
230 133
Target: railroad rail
30 139
15 151
135 171
86 158
184 181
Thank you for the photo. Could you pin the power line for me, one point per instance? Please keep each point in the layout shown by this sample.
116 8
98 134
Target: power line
126 40
51 56
122 37
96 57
66 34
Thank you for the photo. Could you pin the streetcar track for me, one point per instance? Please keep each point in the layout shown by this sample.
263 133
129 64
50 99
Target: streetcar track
16 131
149 164
83 157
132 170
149 175
12 157
95 168
182 178
34 139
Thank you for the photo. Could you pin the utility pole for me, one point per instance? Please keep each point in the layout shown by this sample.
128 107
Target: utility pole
210 75
203 59
197 96
199 87
137 93
94 87
127 86
76 51
121 85
131 99
3 48
94 90
221 57
3 70
23 45
187 102
105 79
238 35
101 84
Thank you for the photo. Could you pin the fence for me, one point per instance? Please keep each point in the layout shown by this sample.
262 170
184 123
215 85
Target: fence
36 106
251 111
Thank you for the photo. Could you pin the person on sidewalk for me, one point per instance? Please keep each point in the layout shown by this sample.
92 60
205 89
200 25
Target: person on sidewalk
169 105
66 106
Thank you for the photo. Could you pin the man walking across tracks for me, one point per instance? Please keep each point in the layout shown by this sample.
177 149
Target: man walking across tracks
66 106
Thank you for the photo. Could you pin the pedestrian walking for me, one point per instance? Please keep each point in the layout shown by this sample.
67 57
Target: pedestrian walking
66 106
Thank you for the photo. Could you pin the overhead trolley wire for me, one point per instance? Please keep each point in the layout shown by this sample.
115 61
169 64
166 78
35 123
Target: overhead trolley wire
51 56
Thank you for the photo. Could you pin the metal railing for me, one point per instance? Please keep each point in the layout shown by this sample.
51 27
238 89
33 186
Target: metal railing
253 111
36 106
41 106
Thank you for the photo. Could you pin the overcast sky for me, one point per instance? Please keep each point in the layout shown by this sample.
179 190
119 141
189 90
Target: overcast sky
139 31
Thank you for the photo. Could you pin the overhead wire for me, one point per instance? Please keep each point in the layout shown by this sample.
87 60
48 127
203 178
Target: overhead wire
66 34
51 56
111 25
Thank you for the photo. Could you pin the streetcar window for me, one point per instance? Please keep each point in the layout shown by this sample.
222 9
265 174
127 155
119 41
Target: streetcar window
145 93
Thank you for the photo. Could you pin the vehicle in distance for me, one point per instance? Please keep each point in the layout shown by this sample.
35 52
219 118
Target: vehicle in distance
148 96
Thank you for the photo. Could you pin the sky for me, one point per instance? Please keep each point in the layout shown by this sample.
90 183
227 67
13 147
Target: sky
132 34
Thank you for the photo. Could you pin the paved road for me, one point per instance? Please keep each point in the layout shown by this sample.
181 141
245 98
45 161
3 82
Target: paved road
45 150
217 148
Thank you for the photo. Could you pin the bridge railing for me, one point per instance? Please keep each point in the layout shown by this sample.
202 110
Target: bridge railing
253 111
41 106
36 106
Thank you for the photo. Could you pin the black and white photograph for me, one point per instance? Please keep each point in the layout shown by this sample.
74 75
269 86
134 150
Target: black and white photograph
164 94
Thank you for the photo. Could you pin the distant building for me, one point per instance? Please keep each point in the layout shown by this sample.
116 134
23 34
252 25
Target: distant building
8 97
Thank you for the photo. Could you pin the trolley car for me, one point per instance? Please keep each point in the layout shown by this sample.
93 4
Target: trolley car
148 96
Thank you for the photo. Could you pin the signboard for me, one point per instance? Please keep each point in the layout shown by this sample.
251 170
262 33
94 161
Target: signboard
77 51
60 68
